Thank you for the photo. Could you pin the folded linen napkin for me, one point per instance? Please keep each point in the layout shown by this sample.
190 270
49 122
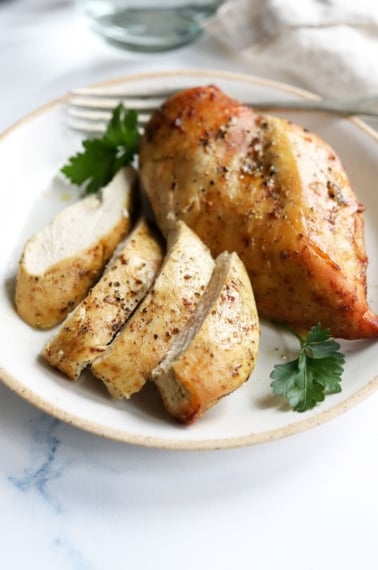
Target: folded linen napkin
328 46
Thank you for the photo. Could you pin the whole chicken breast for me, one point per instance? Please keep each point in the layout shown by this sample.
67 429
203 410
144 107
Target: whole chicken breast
88 330
271 191
146 337
215 352
61 262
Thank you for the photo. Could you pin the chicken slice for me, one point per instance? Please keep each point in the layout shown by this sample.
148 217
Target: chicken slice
61 262
271 191
146 337
88 330
216 351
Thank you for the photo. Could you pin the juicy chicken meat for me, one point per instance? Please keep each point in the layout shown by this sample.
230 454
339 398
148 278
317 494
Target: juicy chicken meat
91 326
146 337
215 352
271 191
61 262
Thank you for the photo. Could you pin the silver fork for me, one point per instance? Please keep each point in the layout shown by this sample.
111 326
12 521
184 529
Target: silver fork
89 109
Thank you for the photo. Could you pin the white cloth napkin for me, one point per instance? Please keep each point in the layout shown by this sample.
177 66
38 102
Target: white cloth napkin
329 46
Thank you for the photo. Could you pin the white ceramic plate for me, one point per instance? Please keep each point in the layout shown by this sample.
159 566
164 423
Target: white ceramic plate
31 154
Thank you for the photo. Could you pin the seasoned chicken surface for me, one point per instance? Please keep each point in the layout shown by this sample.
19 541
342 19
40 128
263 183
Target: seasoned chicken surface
271 191
88 330
61 262
216 350
146 337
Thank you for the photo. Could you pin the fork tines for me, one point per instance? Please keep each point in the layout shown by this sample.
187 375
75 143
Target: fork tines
90 109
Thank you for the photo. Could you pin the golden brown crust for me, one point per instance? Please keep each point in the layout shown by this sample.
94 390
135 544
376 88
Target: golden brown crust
217 350
273 192
44 300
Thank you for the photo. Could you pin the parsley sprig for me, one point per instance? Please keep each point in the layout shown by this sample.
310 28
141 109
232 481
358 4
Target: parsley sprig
316 372
103 157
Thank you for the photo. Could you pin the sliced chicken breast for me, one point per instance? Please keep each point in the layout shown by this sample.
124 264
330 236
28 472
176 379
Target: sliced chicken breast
216 351
88 330
148 334
61 262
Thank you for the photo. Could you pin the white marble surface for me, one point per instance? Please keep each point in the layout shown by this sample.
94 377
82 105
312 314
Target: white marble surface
71 500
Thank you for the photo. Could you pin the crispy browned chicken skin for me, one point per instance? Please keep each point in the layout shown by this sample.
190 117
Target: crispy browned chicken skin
271 191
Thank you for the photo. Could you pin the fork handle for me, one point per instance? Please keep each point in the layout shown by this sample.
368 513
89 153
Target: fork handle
365 106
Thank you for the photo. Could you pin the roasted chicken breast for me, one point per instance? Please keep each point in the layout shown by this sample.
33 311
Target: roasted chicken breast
61 262
146 337
271 191
215 352
90 327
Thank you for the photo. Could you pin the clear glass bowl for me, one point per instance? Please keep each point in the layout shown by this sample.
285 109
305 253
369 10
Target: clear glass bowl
148 26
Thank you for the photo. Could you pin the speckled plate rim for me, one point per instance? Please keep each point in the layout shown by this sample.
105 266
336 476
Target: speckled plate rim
175 444
189 445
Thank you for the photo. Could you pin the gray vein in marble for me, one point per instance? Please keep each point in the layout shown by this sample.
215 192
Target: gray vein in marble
72 554
44 465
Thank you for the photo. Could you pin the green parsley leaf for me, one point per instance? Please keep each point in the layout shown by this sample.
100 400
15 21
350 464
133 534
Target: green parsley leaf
316 372
103 157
